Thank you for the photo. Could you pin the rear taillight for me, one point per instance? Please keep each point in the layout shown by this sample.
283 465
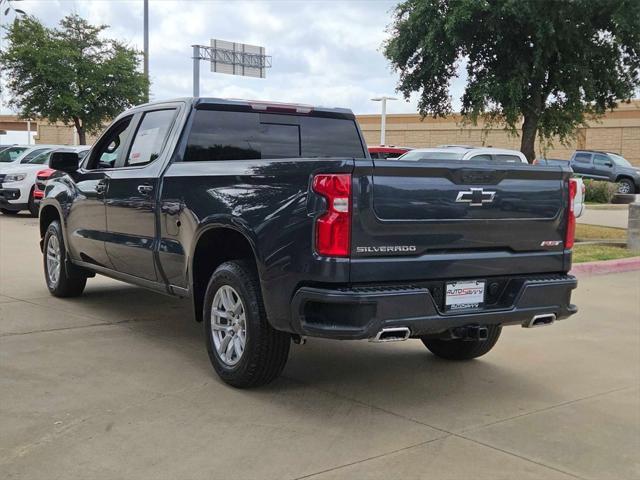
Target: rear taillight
333 228
571 215
44 174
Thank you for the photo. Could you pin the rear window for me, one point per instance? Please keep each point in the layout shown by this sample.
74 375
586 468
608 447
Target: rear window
503 157
582 157
223 135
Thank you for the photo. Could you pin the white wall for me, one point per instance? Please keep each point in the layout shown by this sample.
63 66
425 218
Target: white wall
13 136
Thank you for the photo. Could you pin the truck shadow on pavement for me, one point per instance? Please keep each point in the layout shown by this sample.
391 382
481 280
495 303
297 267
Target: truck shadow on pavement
403 376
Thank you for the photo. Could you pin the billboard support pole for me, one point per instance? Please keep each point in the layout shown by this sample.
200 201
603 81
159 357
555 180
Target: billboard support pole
196 70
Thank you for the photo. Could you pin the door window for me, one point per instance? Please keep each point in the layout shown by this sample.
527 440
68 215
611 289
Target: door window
150 137
40 159
602 160
110 145
33 154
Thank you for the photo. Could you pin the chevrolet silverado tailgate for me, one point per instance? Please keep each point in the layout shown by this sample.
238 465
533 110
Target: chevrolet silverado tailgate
454 218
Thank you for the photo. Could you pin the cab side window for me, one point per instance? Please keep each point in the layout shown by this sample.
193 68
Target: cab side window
110 146
150 137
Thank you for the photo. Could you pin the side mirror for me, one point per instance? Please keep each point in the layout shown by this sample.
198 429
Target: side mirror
67 162
608 164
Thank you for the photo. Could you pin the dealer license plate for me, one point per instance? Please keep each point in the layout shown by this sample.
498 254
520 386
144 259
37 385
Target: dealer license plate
465 295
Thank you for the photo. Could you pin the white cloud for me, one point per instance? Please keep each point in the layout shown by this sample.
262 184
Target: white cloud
324 52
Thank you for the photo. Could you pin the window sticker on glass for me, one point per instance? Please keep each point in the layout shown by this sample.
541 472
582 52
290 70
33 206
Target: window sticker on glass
149 139
143 147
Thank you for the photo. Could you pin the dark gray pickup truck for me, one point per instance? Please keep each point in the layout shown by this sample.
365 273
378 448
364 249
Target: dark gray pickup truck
277 223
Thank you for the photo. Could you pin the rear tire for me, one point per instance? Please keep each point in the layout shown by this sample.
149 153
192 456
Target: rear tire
244 349
34 209
59 281
463 349
626 186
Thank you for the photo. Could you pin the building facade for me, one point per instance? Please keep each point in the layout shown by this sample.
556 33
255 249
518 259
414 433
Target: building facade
618 131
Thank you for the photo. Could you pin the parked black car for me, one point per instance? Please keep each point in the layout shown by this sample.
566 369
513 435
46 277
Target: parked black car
607 166
277 223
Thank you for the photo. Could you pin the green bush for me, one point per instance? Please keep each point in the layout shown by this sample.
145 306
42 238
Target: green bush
599 192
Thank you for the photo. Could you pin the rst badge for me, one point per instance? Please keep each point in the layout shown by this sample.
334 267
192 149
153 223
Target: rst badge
550 243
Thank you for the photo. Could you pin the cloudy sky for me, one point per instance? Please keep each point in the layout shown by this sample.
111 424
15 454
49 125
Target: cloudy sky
325 52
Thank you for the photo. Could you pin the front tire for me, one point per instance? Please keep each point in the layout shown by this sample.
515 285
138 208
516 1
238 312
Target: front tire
243 348
463 349
6 211
59 281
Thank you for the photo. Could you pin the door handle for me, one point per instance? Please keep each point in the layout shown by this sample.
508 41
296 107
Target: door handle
145 189
101 187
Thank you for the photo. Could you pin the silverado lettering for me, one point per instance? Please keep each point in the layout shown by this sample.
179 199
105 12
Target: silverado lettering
387 249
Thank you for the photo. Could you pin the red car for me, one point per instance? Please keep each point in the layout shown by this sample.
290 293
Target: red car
41 180
383 152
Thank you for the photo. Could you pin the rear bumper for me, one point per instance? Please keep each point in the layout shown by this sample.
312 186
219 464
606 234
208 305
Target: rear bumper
361 312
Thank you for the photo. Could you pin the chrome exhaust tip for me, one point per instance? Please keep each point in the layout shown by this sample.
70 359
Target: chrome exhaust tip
393 334
541 320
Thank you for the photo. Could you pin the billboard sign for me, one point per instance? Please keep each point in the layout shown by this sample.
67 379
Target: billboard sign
238 59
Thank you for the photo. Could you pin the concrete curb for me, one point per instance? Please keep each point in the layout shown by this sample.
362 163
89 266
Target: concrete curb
607 206
619 265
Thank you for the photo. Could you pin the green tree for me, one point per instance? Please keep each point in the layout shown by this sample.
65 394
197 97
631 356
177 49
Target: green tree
550 64
71 74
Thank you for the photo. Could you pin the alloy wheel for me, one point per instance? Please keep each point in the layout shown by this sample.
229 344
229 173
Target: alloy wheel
228 325
624 188
53 260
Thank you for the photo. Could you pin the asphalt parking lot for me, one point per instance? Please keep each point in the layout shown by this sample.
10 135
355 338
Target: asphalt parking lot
117 384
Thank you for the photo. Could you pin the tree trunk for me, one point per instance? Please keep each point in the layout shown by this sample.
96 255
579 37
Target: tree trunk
528 142
82 135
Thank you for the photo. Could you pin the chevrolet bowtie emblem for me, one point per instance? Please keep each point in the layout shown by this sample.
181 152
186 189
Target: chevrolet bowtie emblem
475 197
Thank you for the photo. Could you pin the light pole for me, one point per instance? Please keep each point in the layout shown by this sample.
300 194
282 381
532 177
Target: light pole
146 45
5 9
383 119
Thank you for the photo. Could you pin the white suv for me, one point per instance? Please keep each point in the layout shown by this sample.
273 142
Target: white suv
18 181
488 154
465 152
18 154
